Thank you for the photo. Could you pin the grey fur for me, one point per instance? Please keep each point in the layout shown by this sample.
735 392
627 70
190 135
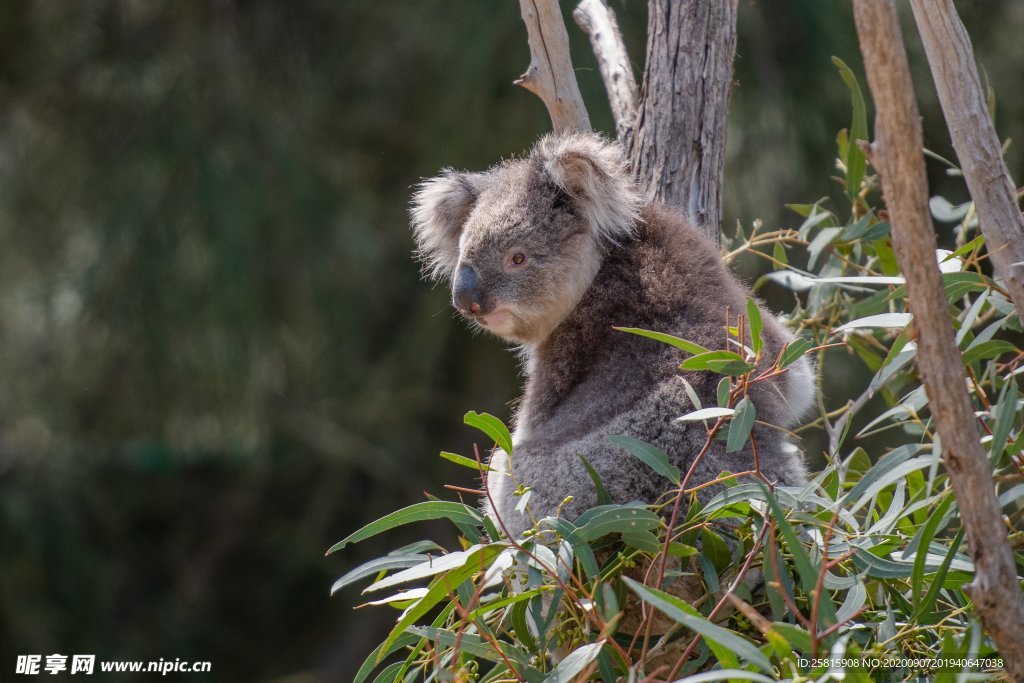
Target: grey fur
597 258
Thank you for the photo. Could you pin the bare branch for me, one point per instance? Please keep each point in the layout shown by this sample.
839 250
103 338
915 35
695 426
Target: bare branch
550 76
678 150
597 20
897 154
951 58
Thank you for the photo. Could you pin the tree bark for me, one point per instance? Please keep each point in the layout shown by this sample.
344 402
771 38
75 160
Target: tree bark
597 20
678 150
951 59
897 154
550 76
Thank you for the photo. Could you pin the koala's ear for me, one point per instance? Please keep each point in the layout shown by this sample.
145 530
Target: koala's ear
440 207
593 171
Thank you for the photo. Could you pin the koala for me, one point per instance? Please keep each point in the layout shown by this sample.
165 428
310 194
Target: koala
550 252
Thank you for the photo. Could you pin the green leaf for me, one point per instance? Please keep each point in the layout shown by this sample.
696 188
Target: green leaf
923 540
699 361
603 498
976 243
824 238
575 662
1004 415
925 605
779 254
459 513
988 349
807 571
793 351
517 616
705 414
492 427
380 652
739 428
797 637
856 164
683 344
681 550
468 642
721 362
390 673
897 320
754 320
431 566
611 519
886 256
465 462
440 588
722 393
886 464
718 638
653 457
513 599
880 567
642 540
808 574
376 566
716 550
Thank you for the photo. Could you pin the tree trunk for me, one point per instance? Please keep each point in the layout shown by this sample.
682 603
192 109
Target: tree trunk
678 150
897 154
974 138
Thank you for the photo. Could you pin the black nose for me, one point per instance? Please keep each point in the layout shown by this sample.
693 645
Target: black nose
466 292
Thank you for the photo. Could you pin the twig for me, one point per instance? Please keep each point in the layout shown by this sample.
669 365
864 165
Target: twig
597 20
550 75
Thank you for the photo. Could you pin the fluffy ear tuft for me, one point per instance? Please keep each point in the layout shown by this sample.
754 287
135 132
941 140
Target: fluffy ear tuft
594 172
439 209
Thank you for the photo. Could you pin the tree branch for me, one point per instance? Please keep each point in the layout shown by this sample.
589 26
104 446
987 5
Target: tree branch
897 155
597 20
550 75
951 59
678 150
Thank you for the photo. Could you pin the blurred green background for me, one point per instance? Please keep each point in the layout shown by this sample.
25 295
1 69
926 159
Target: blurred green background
216 354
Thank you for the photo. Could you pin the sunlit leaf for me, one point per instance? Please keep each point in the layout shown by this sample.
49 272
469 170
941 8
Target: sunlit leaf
573 663
705 414
665 339
492 427
754 320
433 509
742 422
898 320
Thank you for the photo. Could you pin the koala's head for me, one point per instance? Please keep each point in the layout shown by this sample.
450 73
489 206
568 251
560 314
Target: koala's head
522 242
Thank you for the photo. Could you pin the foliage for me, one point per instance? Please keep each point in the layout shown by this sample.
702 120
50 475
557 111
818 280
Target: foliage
866 562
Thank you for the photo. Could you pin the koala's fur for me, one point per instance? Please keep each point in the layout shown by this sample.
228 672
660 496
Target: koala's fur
596 256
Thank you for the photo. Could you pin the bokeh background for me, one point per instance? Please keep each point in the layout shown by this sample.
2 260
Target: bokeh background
217 356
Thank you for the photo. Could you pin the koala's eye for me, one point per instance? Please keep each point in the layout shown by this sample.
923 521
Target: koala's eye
518 258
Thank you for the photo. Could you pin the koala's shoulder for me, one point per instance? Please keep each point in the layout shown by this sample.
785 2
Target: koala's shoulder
669 267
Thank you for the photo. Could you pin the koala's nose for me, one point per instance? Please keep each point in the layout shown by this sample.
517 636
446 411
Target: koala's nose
466 292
